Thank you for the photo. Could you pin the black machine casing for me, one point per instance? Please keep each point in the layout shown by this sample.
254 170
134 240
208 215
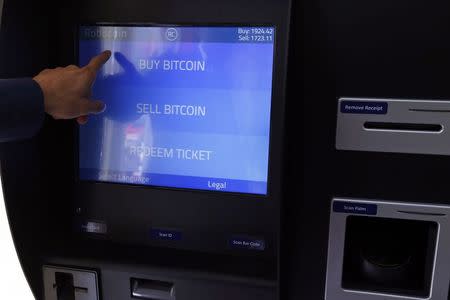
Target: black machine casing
42 192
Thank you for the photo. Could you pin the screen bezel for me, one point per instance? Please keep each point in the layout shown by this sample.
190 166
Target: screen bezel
269 191
151 205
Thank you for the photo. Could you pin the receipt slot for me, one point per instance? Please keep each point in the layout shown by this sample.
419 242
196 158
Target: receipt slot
393 125
387 250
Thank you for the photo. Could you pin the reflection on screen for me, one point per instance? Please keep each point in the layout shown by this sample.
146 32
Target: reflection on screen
187 107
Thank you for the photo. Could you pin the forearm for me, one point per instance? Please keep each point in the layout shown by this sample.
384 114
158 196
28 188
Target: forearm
21 108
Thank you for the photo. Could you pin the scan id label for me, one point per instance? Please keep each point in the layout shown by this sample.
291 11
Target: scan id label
355 208
364 107
166 234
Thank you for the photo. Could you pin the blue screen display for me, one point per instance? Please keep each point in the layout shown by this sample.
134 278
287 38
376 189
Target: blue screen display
186 107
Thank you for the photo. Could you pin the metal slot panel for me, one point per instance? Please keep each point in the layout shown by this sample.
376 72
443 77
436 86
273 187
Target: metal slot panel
393 125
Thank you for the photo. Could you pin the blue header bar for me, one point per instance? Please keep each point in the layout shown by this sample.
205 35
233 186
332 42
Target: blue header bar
261 34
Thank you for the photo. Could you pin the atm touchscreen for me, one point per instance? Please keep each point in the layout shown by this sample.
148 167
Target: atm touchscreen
186 107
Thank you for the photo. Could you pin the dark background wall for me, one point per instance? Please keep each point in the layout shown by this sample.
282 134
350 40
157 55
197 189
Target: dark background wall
379 48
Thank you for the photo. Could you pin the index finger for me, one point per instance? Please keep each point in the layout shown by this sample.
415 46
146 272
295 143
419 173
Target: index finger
98 61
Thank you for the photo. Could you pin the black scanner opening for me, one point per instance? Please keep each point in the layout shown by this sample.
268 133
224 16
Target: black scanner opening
389 256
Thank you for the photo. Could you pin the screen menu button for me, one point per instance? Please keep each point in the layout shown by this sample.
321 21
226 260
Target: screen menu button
217 185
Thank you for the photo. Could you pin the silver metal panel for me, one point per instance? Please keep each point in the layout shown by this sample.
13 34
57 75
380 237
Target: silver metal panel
441 271
81 278
351 134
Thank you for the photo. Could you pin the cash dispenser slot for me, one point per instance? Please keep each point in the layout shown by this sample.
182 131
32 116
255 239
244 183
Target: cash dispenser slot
152 289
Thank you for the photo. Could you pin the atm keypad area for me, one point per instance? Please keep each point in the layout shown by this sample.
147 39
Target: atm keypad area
174 192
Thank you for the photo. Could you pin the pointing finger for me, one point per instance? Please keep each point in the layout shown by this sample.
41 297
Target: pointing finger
82 120
98 61
88 107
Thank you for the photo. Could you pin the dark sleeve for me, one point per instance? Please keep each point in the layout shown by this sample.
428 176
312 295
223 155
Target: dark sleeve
21 109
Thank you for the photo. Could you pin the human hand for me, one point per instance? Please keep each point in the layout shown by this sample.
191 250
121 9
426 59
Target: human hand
68 91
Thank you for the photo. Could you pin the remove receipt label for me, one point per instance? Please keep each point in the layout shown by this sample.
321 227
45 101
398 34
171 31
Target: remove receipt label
364 107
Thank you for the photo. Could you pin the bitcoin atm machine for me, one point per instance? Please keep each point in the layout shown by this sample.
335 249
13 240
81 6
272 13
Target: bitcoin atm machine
376 118
174 192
